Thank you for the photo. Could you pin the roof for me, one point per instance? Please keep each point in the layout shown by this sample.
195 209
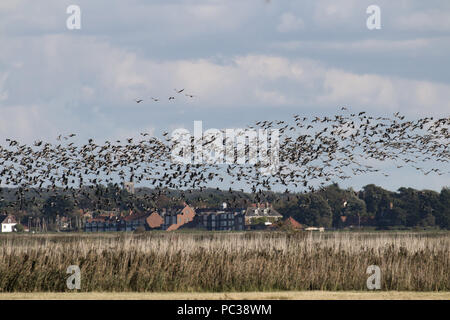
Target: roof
262 212
135 216
154 220
99 219
172 211
261 205
291 222
173 227
187 213
206 211
3 218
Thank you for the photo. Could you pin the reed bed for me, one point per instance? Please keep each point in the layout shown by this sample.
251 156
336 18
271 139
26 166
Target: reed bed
224 262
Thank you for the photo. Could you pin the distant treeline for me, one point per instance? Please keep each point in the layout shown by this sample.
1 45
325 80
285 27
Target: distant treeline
330 207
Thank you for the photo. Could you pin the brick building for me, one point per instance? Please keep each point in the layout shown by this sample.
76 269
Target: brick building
176 217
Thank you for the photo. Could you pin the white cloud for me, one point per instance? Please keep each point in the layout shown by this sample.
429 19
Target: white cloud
9 4
3 92
54 81
431 20
269 67
290 22
273 97
342 14
75 80
367 45
134 133
25 123
79 72
386 93
365 90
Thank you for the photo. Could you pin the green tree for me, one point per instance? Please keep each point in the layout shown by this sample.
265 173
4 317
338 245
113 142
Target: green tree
335 198
58 205
355 207
442 214
19 228
314 210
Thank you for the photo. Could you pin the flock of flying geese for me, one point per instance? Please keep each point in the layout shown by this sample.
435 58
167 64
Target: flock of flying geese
137 100
312 152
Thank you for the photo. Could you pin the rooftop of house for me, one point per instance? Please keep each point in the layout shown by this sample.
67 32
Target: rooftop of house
99 219
7 218
206 211
173 210
154 220
261 205
292 223
262 212
135 216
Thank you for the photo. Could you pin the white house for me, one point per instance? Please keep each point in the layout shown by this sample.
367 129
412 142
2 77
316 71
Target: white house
7 223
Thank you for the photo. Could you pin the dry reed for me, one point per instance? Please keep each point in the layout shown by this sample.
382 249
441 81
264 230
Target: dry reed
224 262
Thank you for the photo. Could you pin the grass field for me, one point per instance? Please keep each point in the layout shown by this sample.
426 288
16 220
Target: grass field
226 262
286 295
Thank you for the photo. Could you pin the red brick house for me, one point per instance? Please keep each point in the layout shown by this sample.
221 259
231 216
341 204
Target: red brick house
177 217
154 221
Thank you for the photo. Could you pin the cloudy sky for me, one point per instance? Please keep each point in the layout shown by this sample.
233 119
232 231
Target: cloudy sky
244 60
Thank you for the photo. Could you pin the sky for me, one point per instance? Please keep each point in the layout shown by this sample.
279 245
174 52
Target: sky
243 60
